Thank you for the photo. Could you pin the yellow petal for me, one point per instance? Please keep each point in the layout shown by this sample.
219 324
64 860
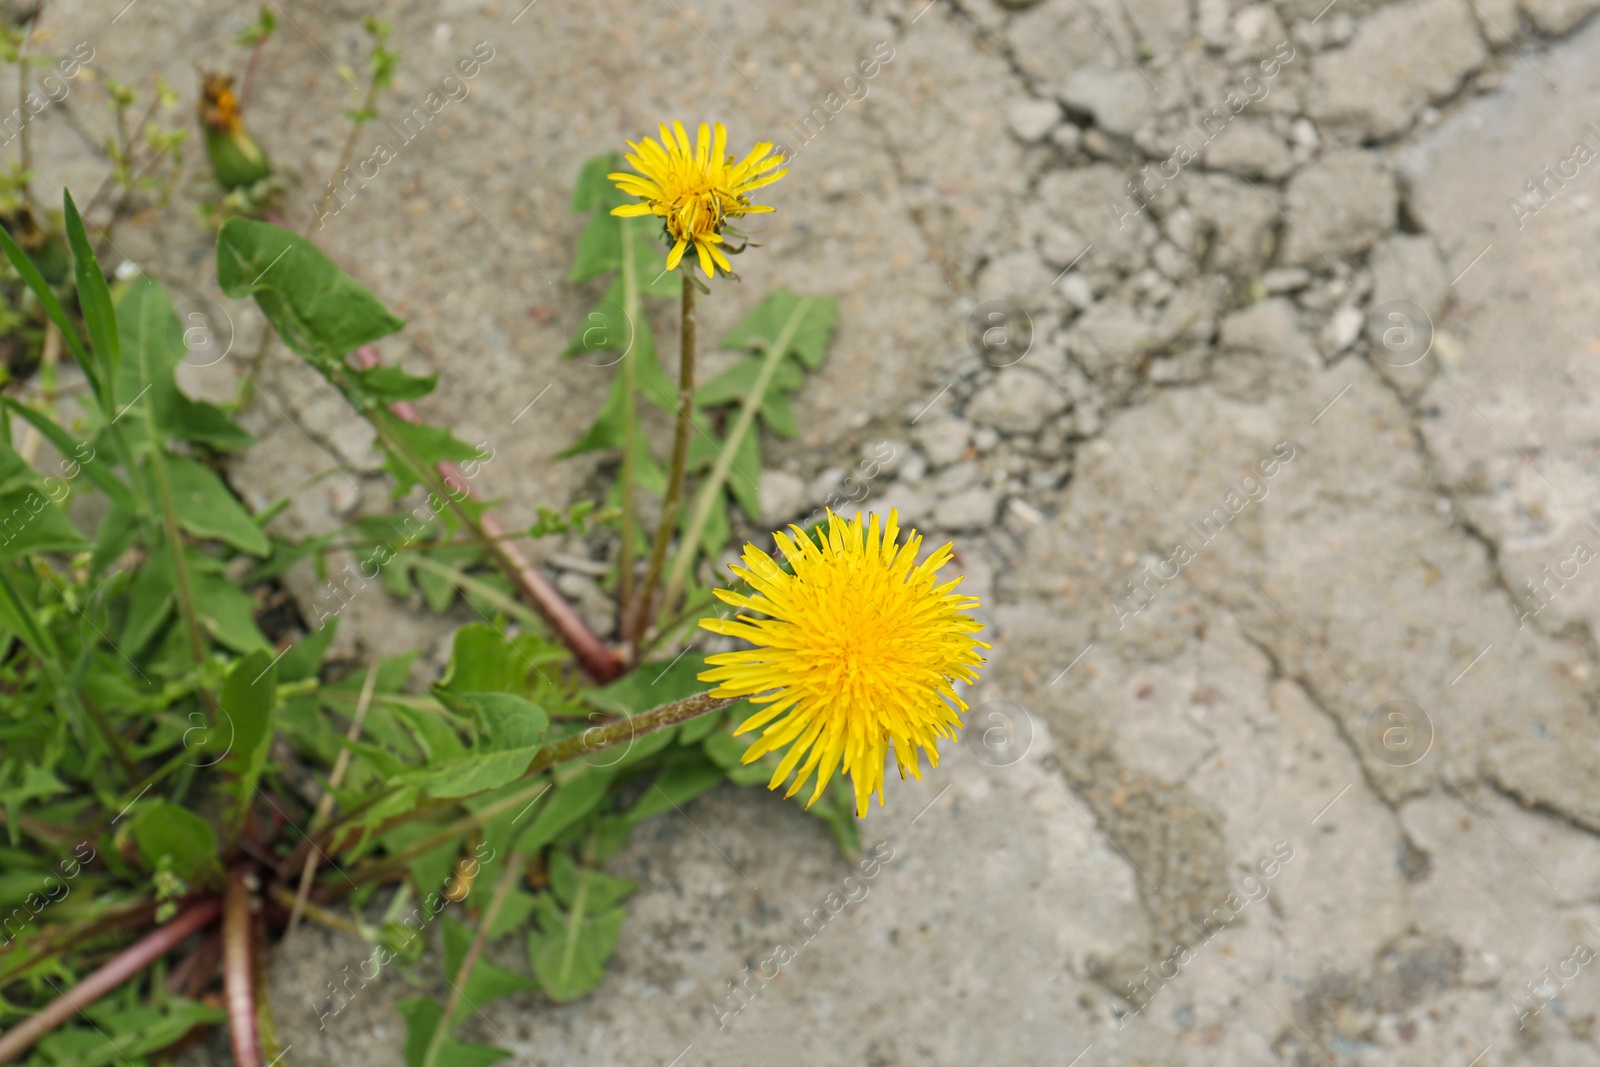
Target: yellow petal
676 254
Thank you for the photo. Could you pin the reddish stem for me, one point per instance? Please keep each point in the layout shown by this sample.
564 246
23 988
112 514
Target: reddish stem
238 975
124 966
190 976
598 662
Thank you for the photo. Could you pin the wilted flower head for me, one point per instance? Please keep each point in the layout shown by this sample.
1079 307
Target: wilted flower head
695 190
236 159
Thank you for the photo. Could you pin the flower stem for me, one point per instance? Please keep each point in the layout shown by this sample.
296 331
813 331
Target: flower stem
368 103
599 737
689 544
593 739
675 474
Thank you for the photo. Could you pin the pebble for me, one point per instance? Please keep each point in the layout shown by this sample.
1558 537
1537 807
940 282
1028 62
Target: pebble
1060 245
829 483
1117 97
1032 119
591 601
1068 136
1019 400
943 438
1338 207
1341 330
1285 280
953 480
1077 291
915 467
783 496
971 509
911 505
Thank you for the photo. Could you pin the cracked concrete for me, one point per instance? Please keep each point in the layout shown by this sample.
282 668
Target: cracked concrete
1270 572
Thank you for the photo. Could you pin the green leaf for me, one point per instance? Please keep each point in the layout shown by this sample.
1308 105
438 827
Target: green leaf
487 982
97 472
247 701
734 384
304 660
676 785
118 530
429 870
654 684
593 190
226 611
15 473
94 296
599 247
120 1034
422 1017
727 752
30 523
717 529
385 763
320 311
569 950
651 379
599 890
483 660
52 307
761 328
207 508
640 749
778 414
650 261
514 913
608 428
385 384
150 601
572 800
604 329
509 722
837 809
423 447
433 734
167 829
696 730
150 331
472 774
744 477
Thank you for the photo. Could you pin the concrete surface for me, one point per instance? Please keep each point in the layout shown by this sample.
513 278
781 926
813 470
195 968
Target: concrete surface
1277 759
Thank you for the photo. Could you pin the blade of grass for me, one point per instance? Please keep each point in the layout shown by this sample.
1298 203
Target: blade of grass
150 327
515 862
630 428
325 802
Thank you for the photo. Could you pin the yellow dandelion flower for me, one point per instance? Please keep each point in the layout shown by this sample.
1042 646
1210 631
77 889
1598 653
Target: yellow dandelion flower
695 190
860 647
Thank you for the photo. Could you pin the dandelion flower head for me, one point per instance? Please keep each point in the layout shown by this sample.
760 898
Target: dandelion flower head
859 651
695 189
